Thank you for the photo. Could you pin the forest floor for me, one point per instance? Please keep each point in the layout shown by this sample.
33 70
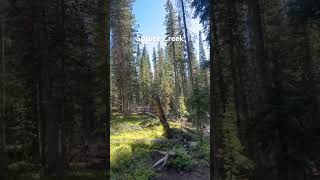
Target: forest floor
137 140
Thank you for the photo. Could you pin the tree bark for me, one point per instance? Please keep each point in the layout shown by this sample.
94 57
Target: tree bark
255 25
42 45
3 98
236 57
3 154
61 161
217 97
53 137
308 74
124 84
40 130
47 107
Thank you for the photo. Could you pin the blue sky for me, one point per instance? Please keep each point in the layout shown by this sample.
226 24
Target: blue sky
150 15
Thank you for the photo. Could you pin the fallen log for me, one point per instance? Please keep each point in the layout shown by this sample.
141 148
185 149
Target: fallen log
171 153
162 116
163 161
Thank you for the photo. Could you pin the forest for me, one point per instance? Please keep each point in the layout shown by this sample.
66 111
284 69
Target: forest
265 72
54 89
160 125
264 91
80 98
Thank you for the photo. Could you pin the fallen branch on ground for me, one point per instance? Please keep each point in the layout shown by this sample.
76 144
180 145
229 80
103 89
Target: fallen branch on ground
163 161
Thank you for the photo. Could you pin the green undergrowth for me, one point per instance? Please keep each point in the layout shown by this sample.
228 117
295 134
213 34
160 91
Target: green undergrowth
133 161
136 127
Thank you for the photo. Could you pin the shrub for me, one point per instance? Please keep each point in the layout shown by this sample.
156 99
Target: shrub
182 161
182 107
144 174
120 156
141 155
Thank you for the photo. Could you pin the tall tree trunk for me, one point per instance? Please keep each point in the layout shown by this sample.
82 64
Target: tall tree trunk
53 136
217 97
188 45
104 34
124 84
3 109
237 63
308 73
231 40
255 25
47 107
41 135
61 123
3 154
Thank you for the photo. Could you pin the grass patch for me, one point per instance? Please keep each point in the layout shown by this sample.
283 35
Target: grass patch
131 160
120 156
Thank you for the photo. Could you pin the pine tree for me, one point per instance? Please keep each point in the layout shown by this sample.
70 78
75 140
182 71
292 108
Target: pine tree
182 62
171 31
145 77
154 60
194 60
202 55
122 48
186 35
202 9
164 84
160 66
